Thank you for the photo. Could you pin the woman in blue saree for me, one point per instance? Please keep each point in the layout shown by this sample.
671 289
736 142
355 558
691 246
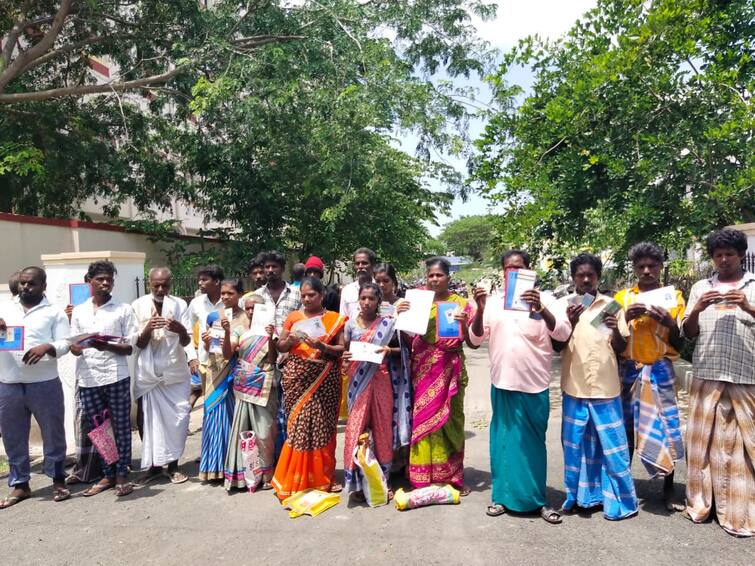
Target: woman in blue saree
218 395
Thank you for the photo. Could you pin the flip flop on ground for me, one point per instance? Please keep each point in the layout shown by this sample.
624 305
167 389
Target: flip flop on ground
12 499
177 477
495 510
148 477
97 488
551 516
60 493
123 489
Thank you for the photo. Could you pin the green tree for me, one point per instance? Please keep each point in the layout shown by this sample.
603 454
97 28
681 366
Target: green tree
292 111
639 126
471 236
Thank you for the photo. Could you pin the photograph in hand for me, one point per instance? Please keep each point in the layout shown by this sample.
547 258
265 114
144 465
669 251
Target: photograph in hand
13 339
517 282
446 326
598 322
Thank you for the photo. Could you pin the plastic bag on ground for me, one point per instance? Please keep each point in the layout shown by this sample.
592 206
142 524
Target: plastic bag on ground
374 485
250 455
310 502
430 495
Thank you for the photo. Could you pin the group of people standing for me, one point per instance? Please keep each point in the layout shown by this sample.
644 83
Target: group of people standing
618 389
288 385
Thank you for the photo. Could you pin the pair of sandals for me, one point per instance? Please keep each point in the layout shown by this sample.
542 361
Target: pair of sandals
59 493
548 514
175 477
121 489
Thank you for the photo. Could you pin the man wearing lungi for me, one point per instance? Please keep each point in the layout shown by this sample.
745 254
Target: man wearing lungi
102 372
720 317
596 455
651 416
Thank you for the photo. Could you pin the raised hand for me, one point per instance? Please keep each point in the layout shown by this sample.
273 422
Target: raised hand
480 295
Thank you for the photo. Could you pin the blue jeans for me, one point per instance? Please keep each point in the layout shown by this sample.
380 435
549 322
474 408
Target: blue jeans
18 402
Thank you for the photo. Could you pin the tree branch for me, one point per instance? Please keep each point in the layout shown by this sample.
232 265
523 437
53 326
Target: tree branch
25 57
81 90
259 40
14 33
92 40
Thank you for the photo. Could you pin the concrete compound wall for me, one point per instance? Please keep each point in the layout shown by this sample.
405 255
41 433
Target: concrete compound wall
26 238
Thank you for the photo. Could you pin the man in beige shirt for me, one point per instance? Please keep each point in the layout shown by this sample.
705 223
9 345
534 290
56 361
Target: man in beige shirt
596 455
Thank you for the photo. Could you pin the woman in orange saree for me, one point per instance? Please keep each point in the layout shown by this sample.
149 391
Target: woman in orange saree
311 382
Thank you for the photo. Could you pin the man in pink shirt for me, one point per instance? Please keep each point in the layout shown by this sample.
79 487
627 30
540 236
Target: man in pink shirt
520 363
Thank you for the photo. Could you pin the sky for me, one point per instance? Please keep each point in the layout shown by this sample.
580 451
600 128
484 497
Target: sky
515 20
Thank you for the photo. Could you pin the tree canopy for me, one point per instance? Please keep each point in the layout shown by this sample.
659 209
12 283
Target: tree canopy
639 126
276 118
471 236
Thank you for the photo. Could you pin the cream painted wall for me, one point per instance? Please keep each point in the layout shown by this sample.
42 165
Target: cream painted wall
24 243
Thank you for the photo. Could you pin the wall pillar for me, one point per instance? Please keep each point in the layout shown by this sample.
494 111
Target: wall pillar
66 268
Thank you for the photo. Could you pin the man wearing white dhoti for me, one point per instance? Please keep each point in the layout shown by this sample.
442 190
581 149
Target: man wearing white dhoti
163 379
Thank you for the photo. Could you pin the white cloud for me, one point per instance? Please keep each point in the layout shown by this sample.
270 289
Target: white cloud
517 19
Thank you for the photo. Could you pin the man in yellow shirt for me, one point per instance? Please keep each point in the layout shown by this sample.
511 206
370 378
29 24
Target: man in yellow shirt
651 416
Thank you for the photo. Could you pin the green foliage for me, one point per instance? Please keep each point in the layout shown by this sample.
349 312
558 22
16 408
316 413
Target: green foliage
280 121
639 126
470 236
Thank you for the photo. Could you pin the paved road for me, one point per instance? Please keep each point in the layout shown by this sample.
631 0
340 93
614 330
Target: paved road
194 524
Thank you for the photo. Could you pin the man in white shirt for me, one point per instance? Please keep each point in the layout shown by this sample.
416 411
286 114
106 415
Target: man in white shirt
162 378
37 332
208 280
102 370
364 263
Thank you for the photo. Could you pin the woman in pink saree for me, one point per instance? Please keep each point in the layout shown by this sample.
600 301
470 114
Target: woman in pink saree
439 377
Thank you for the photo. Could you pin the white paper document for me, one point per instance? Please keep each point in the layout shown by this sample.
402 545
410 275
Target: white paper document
416 318
312 327
216 334
665 297
517 282
262 316
365 352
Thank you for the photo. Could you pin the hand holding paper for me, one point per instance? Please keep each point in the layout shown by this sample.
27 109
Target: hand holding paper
517 282
599 322
415 319
309 328
664 297
366 352
262 316
448 325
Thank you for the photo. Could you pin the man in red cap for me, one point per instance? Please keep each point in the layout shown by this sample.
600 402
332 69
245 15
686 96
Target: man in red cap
314 267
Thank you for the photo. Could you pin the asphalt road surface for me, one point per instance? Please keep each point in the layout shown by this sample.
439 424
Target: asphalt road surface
194 524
